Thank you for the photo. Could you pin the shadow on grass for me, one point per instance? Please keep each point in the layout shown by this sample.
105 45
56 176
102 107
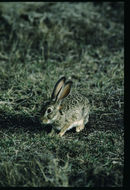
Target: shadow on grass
19 121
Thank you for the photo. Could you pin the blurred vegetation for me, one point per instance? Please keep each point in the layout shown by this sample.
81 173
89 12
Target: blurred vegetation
39 42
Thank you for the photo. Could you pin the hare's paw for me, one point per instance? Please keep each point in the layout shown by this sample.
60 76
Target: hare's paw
61 133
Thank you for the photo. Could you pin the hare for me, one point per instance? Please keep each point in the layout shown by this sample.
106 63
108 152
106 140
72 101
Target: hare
65 110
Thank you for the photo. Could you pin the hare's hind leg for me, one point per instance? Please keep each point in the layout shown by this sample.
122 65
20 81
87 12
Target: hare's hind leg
80 126
83 121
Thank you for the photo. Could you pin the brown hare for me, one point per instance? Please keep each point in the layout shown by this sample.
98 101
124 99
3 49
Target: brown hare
65 110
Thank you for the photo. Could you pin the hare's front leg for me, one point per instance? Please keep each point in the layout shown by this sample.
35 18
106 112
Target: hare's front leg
78 124
63 130
52 133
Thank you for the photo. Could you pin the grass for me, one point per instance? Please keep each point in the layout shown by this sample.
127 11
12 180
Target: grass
39 43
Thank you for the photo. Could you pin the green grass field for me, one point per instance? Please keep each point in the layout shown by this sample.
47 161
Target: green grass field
39 43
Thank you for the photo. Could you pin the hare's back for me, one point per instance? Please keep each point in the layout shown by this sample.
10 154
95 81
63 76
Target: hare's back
75 100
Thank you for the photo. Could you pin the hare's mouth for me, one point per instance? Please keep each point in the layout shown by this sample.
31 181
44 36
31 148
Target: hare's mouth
46 121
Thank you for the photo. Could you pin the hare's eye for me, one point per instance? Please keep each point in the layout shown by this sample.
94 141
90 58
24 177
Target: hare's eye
49 110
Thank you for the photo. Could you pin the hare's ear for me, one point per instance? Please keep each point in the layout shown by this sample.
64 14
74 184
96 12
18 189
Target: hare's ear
57 88
65 90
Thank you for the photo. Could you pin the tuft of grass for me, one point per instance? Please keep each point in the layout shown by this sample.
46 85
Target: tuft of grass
40 42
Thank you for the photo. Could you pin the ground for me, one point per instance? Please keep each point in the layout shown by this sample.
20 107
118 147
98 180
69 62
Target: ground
39 43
